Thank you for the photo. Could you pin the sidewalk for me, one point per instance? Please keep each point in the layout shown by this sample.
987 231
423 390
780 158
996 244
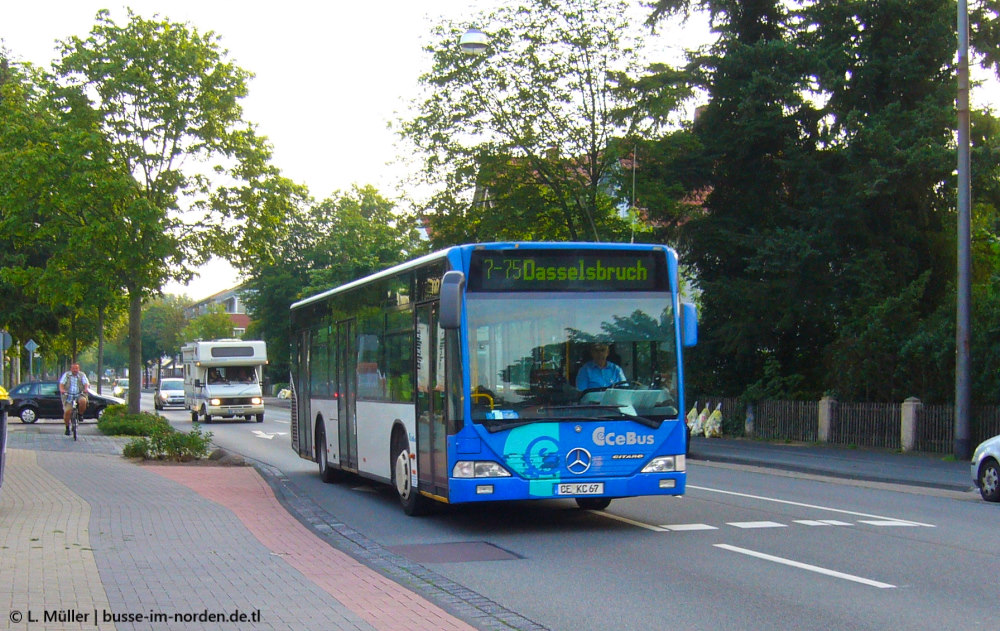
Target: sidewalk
872 465
93 541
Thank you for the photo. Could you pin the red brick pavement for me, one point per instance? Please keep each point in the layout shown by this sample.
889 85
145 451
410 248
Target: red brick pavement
379 601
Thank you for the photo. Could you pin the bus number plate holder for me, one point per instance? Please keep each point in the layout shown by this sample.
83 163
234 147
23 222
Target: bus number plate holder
580 488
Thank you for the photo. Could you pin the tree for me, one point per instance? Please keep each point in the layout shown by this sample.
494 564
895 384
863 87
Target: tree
347 236
530 124
167 98
163 321
213 325
58 181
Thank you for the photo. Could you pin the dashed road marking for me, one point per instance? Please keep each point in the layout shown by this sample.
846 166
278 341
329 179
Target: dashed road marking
747 525
813 506
687 527
822 522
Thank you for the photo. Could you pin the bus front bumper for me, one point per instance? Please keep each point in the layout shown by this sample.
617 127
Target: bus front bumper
462 490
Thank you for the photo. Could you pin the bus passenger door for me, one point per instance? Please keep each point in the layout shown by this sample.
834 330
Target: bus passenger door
346 372
301 414
432 457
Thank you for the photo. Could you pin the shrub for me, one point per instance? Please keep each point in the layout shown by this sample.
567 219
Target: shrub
116 421
155 438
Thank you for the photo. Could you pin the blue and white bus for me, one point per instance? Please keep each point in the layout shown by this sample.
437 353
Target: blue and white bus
453 377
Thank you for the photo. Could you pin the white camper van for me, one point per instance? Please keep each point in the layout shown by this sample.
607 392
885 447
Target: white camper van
222 379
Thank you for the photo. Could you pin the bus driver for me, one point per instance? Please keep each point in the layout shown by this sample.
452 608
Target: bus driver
599 372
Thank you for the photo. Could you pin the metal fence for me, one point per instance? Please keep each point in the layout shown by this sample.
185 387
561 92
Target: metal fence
866 424
786 420
875 425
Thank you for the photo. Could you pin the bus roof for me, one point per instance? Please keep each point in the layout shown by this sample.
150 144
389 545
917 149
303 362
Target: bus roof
499 245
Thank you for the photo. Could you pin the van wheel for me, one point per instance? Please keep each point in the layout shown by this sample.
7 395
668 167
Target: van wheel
260 418
208 417
194 416
412 501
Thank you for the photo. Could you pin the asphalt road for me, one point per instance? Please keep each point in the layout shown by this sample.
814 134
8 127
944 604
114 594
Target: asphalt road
745 548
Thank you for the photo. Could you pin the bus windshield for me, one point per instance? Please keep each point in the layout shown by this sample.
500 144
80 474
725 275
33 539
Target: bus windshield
529 354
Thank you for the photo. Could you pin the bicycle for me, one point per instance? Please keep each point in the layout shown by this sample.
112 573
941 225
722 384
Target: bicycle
74 419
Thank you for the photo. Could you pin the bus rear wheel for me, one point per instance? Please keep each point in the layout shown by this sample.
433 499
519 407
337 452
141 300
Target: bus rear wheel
412 501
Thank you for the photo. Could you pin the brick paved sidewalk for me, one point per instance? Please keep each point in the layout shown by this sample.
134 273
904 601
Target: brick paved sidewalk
89 539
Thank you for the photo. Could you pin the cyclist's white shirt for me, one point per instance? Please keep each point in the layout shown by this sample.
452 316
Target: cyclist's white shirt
74 384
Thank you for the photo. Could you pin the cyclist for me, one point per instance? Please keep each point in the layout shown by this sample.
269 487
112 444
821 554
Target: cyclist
73 383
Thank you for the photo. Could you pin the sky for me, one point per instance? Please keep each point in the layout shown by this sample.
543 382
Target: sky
329 76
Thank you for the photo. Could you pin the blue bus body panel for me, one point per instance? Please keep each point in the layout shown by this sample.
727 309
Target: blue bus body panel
536 454
542 455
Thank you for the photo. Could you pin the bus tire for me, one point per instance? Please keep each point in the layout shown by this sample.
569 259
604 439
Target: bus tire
593 503
327 473
412 501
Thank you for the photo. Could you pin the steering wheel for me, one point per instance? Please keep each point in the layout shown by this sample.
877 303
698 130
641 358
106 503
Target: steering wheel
603 388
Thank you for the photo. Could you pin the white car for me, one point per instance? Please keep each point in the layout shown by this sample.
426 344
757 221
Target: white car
169 392
986 469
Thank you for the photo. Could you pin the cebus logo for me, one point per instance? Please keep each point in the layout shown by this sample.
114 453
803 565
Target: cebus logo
602 437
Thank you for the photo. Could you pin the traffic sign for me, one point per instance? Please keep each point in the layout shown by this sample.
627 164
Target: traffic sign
31 345
5 340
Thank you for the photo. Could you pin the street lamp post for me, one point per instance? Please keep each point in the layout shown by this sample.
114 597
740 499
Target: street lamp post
473 42
964 289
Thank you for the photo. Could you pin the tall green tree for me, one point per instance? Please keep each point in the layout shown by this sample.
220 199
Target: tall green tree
57 181
529 124
168 99
824 244
163 321
213 325
347 236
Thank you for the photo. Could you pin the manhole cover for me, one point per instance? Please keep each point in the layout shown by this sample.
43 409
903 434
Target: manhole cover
453 552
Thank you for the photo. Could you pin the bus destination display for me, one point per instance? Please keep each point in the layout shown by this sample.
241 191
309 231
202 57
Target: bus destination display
567 270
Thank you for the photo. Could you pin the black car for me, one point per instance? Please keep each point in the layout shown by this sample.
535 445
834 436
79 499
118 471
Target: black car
40 399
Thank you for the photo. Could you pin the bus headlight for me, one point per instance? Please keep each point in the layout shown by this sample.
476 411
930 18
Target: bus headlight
666 464
215 402
479 469
256 401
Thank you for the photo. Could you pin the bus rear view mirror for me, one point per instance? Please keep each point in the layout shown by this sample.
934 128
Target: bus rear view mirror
452 285
689 324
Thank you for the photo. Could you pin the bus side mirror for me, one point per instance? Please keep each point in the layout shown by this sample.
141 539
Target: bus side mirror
689 324
197 383
452 284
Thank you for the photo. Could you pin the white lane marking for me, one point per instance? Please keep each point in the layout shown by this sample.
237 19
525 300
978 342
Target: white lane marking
806 566
756 524
283 422
891 522
821 522
267 435
825 508
628 521
686 527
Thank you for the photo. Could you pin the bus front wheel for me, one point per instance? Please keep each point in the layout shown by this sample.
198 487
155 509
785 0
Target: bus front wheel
326 472
413 502
593 503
